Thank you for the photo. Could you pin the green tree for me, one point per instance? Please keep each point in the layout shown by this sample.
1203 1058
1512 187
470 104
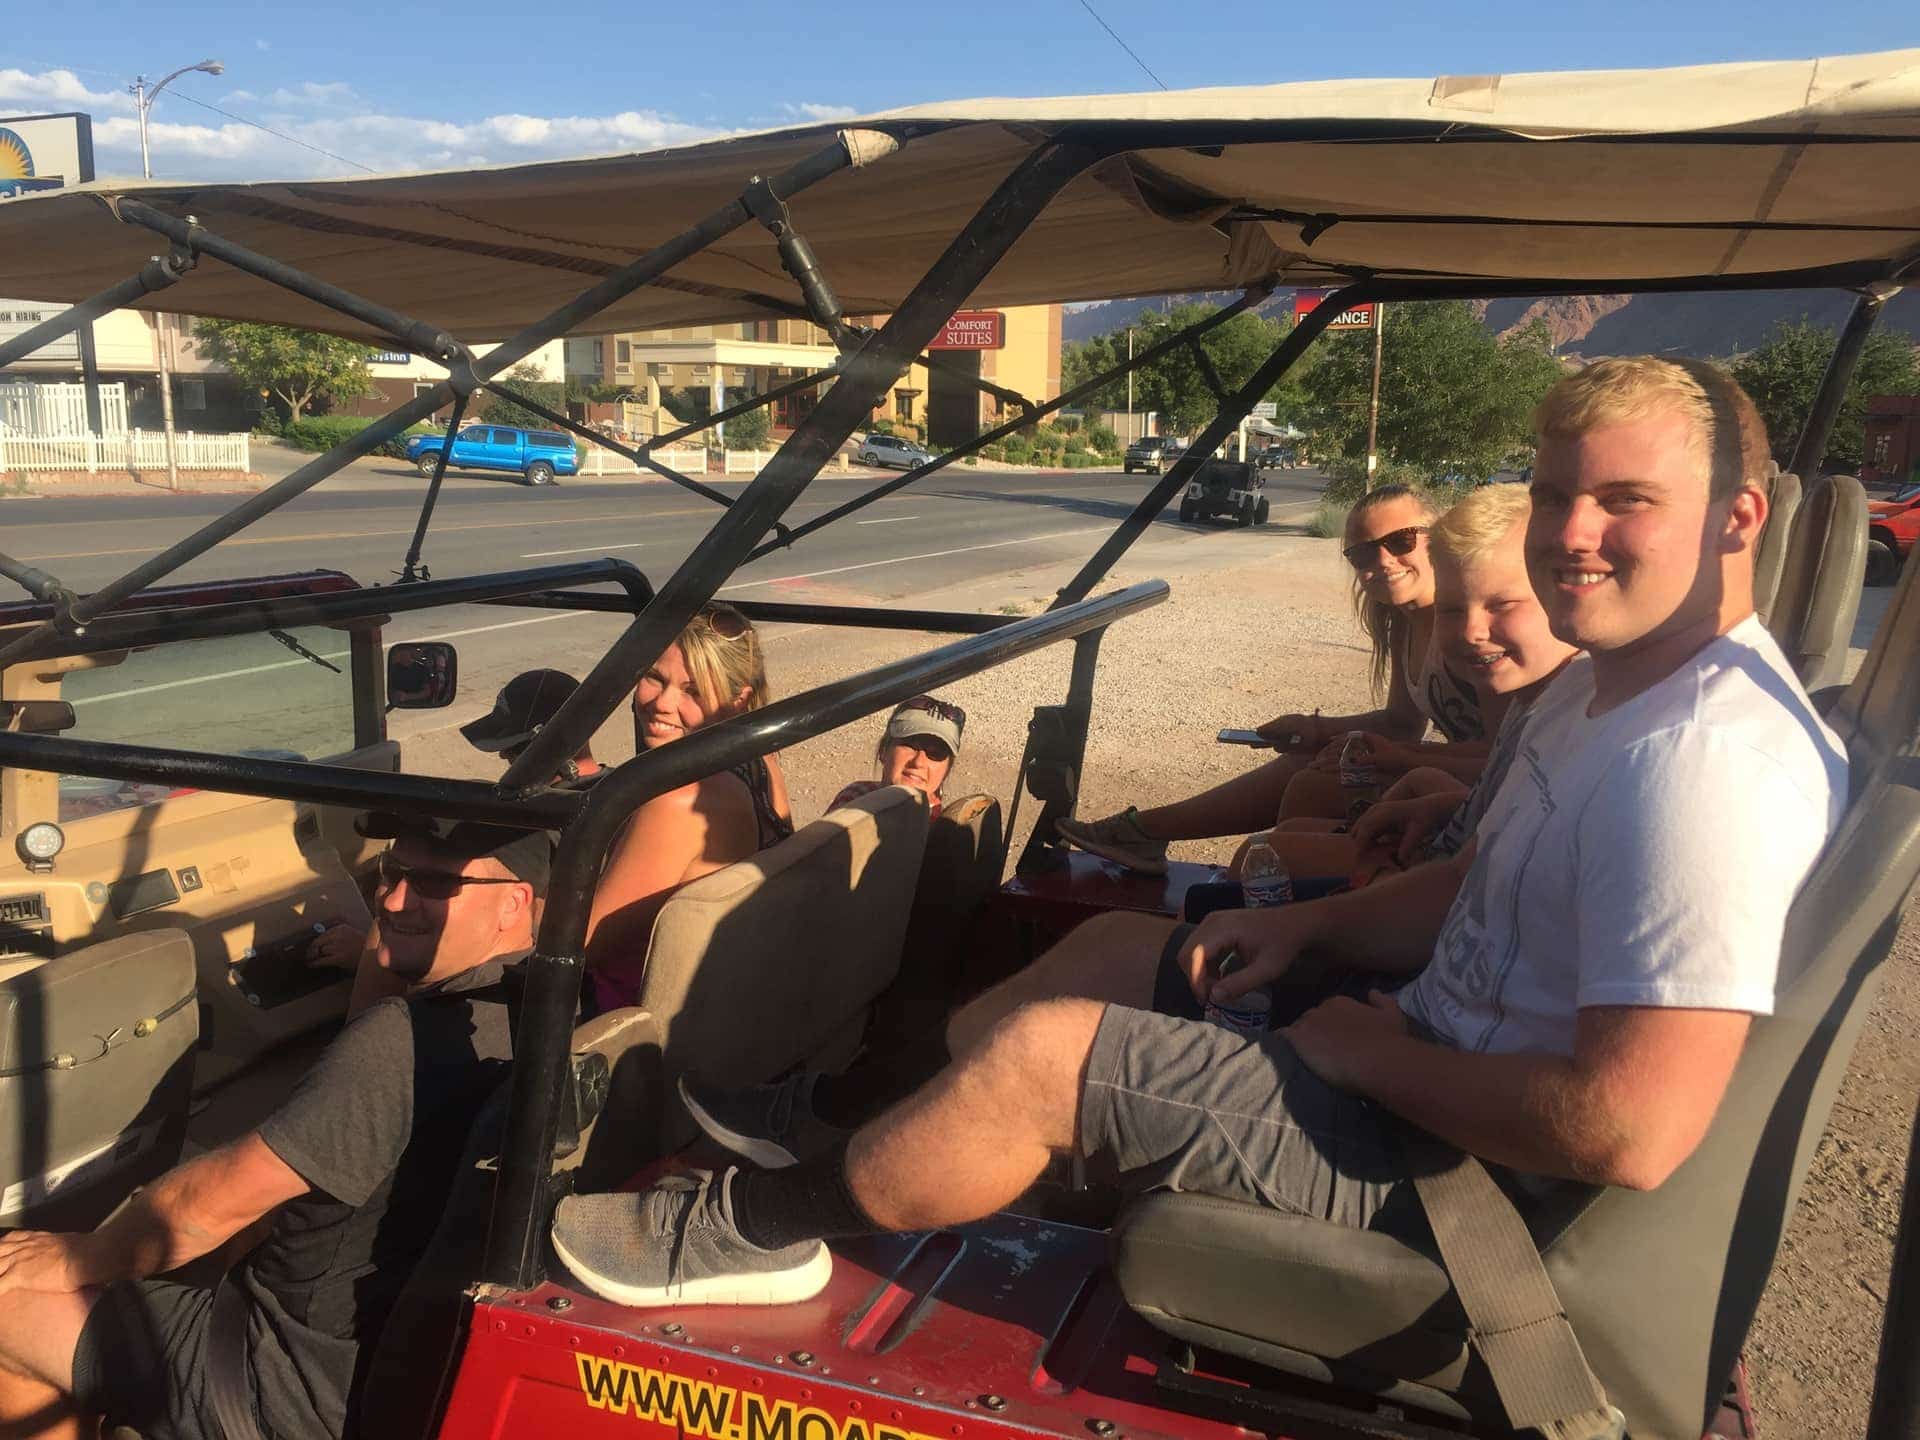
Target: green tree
1174 384
1453 399
298 366
1784 374
525 380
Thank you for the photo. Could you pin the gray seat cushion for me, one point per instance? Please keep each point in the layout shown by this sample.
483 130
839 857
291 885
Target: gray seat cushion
1379 1305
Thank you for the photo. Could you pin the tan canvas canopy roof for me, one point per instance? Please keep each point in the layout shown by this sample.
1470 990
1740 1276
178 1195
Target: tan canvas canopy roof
1602 178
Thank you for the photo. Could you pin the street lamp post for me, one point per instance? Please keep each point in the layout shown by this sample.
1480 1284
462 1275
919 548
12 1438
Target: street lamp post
143 98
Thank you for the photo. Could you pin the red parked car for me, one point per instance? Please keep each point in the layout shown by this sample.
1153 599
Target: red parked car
1893 525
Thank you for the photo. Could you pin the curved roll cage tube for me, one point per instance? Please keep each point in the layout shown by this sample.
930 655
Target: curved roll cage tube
749 527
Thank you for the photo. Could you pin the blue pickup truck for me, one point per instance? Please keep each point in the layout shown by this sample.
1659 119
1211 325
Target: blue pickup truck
534 455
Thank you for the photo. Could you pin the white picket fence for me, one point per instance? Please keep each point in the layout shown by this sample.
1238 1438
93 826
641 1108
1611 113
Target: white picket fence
144 450
687 459
43 407
750 462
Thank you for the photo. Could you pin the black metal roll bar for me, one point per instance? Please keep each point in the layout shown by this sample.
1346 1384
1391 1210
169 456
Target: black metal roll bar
132 628
859 617
427 796
522 1198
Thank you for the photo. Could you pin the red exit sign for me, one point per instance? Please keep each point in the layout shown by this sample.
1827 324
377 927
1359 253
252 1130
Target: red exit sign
1359 317
973 330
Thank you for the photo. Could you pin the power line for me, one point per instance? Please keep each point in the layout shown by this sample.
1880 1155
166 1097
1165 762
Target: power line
1123 44
277 134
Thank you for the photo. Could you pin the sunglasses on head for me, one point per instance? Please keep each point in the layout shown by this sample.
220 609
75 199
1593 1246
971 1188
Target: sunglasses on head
431 884
1394 542
939 709
725 621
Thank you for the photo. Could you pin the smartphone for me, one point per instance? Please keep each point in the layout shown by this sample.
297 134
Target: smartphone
1244 737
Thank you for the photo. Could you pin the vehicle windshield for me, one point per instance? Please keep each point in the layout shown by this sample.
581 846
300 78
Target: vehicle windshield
235 695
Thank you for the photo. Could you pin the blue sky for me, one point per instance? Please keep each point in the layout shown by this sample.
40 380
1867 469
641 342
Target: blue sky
392 85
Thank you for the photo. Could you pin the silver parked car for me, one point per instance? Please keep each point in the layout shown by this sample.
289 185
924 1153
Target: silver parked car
878 449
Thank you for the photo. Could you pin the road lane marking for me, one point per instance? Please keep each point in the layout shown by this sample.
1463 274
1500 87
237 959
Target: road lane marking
581 550
929 555
890 520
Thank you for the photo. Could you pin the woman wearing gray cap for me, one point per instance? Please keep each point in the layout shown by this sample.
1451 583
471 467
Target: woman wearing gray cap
918 748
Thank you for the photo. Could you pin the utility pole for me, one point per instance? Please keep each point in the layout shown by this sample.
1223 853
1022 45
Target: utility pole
1373 404
143 99
1131 437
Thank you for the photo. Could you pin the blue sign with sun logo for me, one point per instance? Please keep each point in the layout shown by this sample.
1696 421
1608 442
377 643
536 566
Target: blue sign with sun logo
16 167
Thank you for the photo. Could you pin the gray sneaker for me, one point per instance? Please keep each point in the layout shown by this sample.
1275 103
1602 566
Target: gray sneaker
772 1125
677 1244
1118 838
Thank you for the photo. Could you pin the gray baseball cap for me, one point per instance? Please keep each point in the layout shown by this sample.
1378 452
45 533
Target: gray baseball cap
923 715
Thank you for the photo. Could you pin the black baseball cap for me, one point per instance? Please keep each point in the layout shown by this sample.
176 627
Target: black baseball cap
523 705
527 854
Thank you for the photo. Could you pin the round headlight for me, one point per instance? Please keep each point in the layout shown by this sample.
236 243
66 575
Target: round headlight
41 841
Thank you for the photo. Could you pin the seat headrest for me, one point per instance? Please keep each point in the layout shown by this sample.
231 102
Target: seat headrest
1818 596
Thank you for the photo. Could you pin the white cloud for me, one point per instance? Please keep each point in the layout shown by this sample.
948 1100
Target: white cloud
57 87
332 116
820 113
263 45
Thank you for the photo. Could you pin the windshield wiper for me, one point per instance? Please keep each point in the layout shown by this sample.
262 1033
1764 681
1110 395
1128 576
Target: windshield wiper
302 651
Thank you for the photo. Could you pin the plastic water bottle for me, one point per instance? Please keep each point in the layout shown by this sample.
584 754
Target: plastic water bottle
1246 1015
1359 776
1263 879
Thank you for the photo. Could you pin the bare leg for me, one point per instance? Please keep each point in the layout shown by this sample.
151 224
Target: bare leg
1246 802
979 1135
1315 855
1112 958
1314 793
38 1331
1312 825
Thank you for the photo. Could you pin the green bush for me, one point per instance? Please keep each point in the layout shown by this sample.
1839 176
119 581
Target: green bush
749 431
880 427
1081 460
1016 450
1102 438
1329 522
318 433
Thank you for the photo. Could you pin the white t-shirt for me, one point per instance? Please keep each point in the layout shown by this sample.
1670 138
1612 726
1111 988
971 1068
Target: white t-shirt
1644 857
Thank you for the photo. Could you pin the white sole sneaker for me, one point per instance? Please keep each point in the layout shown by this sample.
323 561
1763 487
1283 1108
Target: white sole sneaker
767 1154
1119 855
767 1287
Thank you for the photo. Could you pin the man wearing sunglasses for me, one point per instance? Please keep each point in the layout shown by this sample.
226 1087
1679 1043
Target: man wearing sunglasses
358 1164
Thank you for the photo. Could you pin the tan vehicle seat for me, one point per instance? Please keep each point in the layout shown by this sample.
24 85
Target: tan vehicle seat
1822 571
96 1066
769 963
959 874
1783 505
1660 1286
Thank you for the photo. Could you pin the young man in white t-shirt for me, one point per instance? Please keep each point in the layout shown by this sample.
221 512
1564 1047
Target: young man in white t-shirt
1596 956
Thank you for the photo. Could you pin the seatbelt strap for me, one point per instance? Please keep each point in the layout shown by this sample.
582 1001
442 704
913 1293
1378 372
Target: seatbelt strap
1519 1326
229 1392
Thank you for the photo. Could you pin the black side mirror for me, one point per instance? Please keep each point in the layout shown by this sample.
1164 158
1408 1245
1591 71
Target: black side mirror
422 676
36 717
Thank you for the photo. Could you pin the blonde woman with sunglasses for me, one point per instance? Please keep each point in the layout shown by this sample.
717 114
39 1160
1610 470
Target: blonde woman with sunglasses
1386 545
713 672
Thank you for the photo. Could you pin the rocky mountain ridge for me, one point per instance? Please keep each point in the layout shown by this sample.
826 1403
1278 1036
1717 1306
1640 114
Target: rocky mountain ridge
1711 323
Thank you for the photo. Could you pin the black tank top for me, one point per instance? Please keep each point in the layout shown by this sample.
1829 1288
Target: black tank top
773 827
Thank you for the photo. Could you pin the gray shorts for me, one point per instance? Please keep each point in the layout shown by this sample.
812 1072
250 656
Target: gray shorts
140 1360
1177 1104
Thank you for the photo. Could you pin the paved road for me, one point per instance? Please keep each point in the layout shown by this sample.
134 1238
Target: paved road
963 527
